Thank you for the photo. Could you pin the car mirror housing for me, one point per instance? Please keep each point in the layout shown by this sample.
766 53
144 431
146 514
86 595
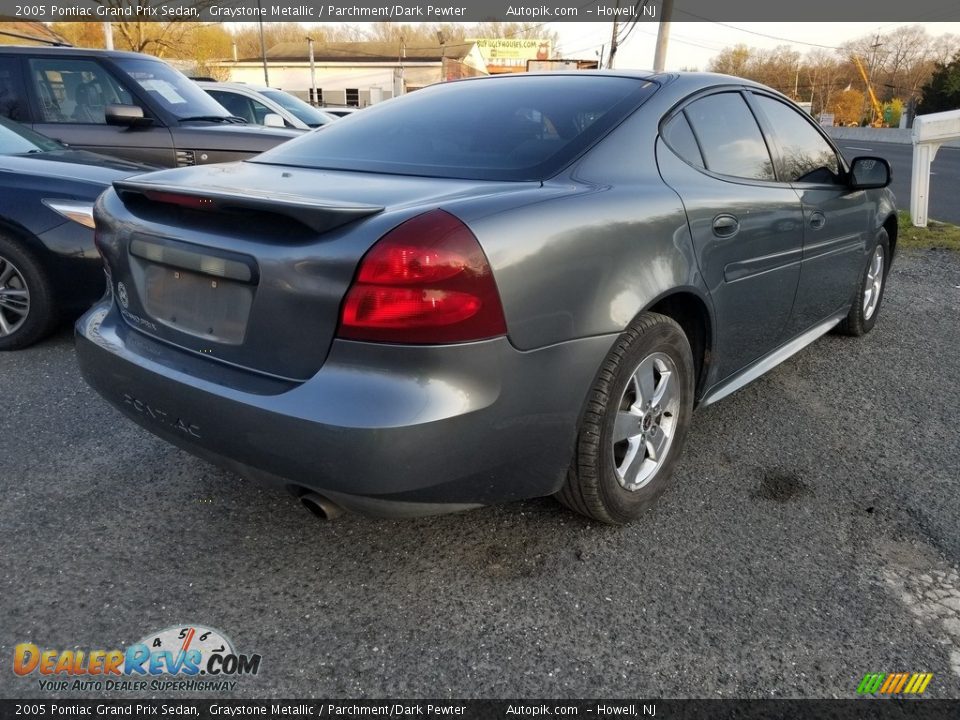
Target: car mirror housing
869 173
131 115
273 120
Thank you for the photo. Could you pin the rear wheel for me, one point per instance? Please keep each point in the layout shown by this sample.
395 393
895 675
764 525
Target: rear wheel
635 423
26 298
866 305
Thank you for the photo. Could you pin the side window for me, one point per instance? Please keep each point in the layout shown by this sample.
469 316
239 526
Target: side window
260 111
13 104
75 91
806 156
235 104
678 135
730 137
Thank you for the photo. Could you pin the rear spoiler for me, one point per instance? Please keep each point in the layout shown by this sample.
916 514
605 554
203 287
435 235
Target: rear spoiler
320 216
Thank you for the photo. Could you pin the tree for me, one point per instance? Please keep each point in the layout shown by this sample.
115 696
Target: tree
205 44
821 76
81 34
942 92
247 35
731 61
892 111
847 107
779 68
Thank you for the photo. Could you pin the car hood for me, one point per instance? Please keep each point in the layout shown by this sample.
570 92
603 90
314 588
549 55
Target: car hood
252 138
68 164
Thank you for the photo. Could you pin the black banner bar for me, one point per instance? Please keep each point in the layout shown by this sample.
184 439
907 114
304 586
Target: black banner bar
873 709
352 11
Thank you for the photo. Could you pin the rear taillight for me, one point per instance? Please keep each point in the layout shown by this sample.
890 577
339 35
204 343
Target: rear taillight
427 281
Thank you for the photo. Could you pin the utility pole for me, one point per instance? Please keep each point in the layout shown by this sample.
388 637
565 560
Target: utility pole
663 36
263 46
613 39
873 56
873 61
313 73
108 36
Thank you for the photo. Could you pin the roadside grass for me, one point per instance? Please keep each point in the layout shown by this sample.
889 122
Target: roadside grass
936 235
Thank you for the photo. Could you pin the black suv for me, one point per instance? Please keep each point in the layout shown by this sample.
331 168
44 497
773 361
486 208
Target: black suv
124 104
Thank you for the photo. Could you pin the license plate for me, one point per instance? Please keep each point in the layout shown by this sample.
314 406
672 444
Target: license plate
200 305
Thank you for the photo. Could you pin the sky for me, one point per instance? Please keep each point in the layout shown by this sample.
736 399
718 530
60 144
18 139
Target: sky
693 44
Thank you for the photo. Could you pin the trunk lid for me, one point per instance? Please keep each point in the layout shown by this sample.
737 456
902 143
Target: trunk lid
248 263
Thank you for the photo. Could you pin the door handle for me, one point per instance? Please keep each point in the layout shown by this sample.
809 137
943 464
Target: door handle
725 226
818 220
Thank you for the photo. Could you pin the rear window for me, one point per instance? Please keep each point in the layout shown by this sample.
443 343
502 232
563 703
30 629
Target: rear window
511 128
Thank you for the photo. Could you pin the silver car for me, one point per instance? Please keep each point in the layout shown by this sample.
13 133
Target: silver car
260 105
487 290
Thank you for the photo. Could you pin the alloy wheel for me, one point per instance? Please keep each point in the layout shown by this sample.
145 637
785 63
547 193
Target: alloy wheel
871 292
14 298
646 421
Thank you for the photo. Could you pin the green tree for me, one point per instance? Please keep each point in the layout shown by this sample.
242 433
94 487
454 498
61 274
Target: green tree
892 111
942 92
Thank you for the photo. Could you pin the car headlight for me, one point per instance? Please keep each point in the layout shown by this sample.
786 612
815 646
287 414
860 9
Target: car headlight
76 210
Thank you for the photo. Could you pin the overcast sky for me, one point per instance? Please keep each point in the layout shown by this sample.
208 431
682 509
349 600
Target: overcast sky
692 44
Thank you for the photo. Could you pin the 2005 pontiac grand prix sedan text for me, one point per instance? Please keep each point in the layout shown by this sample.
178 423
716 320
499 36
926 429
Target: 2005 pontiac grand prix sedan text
486 290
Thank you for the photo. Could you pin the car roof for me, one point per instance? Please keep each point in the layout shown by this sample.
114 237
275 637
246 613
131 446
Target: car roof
232 85
60 50
681 83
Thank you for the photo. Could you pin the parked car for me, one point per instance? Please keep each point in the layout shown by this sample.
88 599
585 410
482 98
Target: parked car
486 290
124 104
49 267
266 106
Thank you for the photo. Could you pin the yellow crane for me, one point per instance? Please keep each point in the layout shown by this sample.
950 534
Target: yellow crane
877 108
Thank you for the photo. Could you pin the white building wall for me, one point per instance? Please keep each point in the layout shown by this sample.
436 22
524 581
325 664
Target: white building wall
333 79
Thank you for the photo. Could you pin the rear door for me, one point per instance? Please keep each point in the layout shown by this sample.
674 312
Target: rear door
70 95
837 221
747 228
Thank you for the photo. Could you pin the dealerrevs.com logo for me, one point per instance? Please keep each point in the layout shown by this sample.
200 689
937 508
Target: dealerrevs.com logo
178 658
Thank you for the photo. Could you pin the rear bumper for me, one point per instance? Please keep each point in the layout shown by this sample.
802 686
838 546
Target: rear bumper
456 426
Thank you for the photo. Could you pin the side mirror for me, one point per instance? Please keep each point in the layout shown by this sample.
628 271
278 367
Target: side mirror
867 173
129 115
273 120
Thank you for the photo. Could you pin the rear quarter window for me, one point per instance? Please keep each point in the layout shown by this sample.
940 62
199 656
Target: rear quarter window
679 137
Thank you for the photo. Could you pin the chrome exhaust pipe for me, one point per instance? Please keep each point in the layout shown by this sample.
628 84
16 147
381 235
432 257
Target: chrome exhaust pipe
320 506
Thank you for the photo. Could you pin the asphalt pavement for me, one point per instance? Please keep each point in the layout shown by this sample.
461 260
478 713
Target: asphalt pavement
944 178
810 537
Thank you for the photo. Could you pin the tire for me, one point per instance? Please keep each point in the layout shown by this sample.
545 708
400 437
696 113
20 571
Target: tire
27 307
865 309
601 483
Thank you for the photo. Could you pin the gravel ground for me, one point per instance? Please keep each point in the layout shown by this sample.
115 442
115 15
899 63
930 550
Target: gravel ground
810 537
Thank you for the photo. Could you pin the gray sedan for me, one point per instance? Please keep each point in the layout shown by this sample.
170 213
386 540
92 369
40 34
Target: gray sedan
488 290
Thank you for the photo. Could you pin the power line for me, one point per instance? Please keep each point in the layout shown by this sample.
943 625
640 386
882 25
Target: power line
760 34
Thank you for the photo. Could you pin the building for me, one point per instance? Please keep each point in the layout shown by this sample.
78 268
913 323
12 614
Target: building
358 73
